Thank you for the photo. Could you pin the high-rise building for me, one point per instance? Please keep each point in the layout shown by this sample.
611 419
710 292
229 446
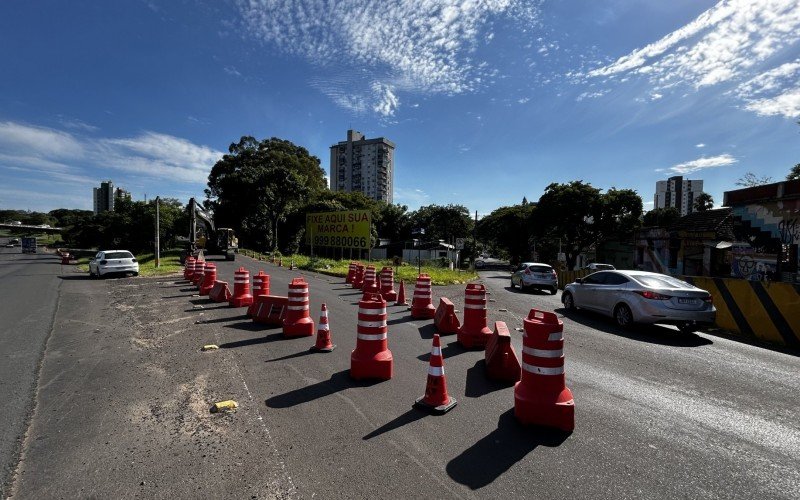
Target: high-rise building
104 197
363 165
679 193
121 194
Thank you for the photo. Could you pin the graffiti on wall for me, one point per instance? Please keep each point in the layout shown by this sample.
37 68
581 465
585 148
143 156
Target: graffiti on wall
753 267
789 231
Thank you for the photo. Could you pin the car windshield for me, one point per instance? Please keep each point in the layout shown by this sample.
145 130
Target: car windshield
604 267
541 269
661 281
118 255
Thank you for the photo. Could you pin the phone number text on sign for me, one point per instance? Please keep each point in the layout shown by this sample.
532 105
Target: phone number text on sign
350 229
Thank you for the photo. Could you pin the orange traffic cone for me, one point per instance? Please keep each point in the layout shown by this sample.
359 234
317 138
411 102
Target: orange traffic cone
324 343
436 399
401 295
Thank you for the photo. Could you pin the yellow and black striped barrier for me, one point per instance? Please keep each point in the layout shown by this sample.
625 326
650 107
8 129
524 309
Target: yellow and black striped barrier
763 310
567 277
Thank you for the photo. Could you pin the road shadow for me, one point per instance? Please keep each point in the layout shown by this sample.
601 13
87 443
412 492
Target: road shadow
188 290
427 331
654 334
339 381
408 417
529 291
175 297
478 385
252 326
494 454
404 319
79 277
354 293
448 351
291 356
272 337
241 317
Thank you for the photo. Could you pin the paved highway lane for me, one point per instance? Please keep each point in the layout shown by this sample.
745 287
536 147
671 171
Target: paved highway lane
28 296
658 414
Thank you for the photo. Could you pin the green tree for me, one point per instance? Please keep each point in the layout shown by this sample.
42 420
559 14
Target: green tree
750 179
509 231
703 202
570 213
258 184
442 222
579 216
661 217
794 173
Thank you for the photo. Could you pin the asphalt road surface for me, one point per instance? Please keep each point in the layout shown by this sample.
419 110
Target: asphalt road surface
28 295
122 407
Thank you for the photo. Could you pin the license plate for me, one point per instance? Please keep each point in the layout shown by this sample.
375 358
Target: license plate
685 301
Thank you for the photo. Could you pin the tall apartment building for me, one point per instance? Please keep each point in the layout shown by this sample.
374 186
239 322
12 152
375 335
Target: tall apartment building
363 165
679 193
104 197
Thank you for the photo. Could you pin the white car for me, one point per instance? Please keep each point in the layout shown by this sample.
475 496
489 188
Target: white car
596 266
113 262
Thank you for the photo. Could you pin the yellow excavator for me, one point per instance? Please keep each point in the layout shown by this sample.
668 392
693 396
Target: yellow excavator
207 238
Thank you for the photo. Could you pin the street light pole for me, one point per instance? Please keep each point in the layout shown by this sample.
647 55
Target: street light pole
158 240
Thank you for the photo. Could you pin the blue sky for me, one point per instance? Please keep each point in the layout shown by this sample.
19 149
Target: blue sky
487 100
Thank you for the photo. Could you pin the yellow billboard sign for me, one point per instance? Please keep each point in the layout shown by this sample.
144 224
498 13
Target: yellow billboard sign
349 229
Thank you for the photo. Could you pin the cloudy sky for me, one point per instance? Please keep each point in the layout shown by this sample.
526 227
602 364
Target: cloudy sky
487 100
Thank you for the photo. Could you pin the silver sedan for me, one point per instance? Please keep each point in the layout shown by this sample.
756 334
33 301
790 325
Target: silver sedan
642 297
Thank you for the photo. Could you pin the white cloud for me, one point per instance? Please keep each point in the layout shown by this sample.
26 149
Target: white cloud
422 47
40 142
730 42
773 92
700 145
704 162
37 154
717 46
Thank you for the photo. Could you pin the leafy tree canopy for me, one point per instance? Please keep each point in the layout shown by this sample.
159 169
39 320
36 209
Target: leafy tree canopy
254 187
794 173
661 217
703 202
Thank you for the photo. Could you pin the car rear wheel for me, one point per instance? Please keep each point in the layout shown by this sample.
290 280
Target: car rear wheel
512 283
687 327
569 302
553 291
623 316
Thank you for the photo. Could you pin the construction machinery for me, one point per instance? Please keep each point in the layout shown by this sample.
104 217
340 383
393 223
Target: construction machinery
205 237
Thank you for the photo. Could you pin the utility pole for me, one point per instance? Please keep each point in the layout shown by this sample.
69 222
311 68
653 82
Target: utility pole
158 239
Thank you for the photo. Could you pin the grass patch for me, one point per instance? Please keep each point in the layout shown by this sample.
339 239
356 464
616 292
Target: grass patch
170 263
406 272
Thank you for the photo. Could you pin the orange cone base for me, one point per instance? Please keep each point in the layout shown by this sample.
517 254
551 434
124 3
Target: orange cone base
427 312
241 301
476 340
438 410
304 327
322 349
377 367
389 296
558 413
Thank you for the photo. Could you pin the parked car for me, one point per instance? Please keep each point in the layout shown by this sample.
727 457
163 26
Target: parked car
642 297
113 262
535 275
596 266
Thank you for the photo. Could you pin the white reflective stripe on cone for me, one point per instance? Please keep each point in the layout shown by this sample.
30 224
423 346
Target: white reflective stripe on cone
474 306
298 299
436 371
298 290
366 336
374 312
556 336
543 353
543 370
421 296
297 308
372 324
324 327
240 282
436 351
